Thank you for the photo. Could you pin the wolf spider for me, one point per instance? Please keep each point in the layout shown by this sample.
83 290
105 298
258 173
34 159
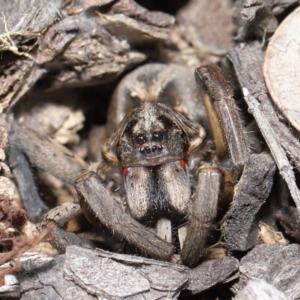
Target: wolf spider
157 164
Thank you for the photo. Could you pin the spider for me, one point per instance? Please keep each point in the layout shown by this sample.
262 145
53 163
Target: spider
157 163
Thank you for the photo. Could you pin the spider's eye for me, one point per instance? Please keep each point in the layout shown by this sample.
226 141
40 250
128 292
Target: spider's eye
140 139
157 136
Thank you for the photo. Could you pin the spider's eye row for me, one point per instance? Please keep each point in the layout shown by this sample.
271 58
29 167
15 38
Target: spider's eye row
157 136
140 139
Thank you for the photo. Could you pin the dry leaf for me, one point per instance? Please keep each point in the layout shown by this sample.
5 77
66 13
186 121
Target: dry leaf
281 68
269 236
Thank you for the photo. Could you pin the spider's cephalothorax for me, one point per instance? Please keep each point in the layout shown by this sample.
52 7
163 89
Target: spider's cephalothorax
153 144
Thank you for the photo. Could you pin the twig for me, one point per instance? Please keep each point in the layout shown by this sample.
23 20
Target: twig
277 151
6 43
20 245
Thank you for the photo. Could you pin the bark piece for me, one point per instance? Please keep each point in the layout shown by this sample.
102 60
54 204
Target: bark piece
21 23
192 42
259 290
77 6
101 274
248 66
127 18
104 276
44 276
289 219
279 6
63 238
194 19
212 273
106 35
250 194
277 151
254 17
201 278
81 49
59 114
3 134
80 38
17 76
247 62
7 188
11 288
277 265
25 20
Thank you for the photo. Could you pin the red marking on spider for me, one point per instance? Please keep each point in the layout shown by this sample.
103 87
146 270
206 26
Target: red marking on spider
125 171
182 163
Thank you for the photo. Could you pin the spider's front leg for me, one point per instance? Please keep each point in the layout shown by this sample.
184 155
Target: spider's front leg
202 214
229 137
232 149
101 208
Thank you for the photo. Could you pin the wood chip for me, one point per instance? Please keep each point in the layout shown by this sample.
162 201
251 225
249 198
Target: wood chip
251 192
260 290
277 265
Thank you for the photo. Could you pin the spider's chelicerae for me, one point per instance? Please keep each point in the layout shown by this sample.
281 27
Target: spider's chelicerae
157 165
